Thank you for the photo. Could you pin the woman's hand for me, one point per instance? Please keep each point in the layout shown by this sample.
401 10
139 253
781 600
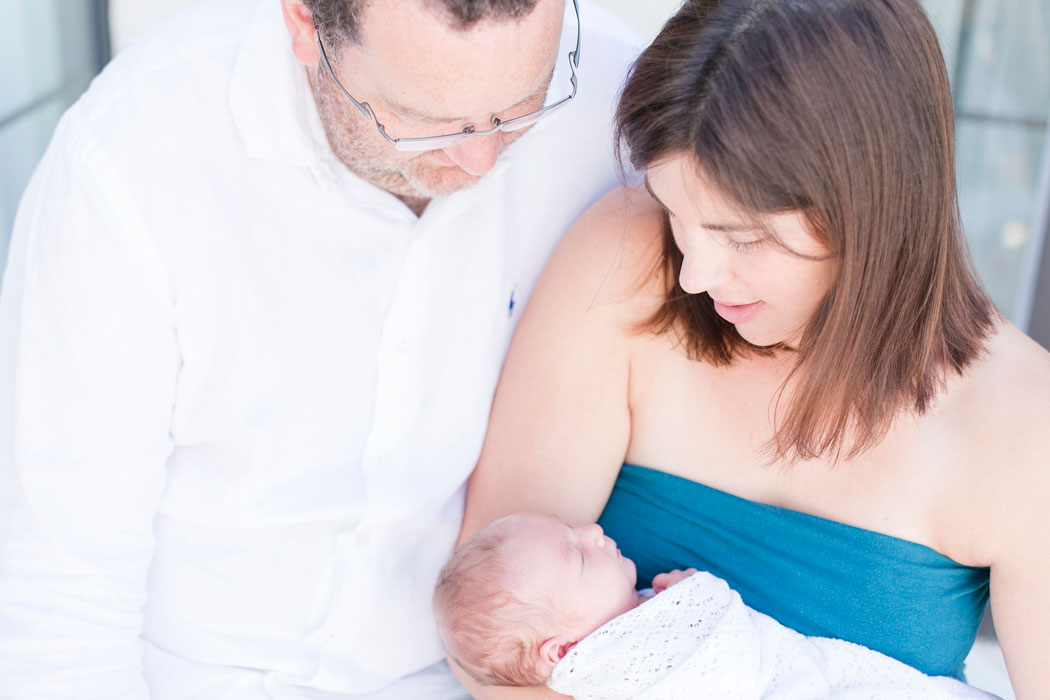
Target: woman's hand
661 582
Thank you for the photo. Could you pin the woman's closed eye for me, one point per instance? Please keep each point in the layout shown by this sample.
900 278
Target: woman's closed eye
743 246
728 239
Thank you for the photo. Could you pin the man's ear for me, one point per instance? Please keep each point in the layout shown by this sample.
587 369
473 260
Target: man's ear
300 25
554 649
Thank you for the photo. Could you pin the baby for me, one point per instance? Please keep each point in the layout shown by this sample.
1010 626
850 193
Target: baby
531 601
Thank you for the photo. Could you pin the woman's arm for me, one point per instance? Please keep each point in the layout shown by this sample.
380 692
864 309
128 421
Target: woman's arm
1012 507
1022 614
561 422
1020 578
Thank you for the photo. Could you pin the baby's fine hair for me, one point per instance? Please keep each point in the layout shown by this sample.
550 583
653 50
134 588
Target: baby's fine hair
493 634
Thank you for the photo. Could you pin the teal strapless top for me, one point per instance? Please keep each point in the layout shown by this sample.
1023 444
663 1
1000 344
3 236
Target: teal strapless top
817 576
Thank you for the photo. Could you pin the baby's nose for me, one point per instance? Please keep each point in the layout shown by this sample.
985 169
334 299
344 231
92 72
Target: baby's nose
598 534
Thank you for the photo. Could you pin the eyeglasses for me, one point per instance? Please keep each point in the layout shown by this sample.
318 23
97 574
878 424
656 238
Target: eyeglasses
433 143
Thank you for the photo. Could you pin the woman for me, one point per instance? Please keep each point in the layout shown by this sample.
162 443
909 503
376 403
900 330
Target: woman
784 347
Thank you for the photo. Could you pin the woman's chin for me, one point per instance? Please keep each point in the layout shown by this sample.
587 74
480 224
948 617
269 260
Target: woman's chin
767 338
757 337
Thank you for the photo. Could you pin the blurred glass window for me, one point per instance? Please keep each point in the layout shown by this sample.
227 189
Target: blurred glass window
50 52
999 62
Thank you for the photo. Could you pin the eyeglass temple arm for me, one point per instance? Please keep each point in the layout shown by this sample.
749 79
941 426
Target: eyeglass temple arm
363 106
579 26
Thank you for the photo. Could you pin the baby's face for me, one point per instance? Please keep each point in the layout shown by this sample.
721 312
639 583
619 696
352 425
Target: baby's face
578 569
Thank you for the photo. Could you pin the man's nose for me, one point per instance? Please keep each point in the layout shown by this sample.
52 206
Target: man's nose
477 154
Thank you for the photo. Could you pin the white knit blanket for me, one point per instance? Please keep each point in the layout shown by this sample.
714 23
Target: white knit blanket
698 640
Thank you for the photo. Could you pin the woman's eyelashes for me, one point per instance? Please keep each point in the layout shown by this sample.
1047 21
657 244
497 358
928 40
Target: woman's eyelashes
743 245
722 236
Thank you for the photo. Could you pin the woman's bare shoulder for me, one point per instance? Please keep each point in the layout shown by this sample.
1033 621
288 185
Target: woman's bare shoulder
614 252
627 213
1007 480
1008 388
1004 429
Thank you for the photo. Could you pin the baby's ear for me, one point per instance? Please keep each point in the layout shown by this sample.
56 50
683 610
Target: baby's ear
554 649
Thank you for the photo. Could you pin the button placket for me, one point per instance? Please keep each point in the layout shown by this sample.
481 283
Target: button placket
401 376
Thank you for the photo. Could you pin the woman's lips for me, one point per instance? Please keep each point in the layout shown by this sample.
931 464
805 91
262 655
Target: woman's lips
738 313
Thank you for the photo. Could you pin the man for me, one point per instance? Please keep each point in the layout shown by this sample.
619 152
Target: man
260 290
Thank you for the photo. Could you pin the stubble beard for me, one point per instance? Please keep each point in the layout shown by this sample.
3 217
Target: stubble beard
357 144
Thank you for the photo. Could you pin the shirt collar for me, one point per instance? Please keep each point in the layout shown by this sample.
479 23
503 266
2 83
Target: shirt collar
270 96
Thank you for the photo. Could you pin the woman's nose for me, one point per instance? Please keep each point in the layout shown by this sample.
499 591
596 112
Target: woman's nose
477 154
704 270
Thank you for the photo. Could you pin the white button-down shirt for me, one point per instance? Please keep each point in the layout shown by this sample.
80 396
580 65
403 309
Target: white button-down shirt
241 388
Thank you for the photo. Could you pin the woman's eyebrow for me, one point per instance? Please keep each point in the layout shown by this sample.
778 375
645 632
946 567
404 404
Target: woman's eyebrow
723 228
732 228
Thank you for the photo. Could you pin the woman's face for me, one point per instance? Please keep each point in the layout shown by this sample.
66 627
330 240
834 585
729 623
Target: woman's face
752 267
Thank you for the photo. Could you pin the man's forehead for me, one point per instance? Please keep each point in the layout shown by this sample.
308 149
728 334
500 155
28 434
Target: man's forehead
419 60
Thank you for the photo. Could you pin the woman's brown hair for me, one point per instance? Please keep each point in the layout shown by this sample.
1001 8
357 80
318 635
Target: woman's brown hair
839 109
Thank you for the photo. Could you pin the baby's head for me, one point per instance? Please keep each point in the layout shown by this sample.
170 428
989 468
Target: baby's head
518 595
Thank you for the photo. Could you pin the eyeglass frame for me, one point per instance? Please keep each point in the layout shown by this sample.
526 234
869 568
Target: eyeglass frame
433 143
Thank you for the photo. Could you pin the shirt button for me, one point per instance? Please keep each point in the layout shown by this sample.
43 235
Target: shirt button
362 538
384 462
326 640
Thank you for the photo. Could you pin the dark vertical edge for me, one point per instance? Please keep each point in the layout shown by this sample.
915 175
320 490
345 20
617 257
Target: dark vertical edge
962 47
84 45
104 45
1036 276
1039 325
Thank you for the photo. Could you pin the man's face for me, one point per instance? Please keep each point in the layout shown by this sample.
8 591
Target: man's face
424 77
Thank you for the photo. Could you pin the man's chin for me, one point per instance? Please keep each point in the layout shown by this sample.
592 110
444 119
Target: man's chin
437 181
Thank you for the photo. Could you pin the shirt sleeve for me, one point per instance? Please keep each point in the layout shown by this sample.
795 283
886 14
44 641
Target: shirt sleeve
89 355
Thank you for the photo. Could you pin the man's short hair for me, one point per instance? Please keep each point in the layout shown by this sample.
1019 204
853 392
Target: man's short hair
339 20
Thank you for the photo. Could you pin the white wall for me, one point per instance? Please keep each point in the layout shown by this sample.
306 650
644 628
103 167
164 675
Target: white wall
646 16
128 18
